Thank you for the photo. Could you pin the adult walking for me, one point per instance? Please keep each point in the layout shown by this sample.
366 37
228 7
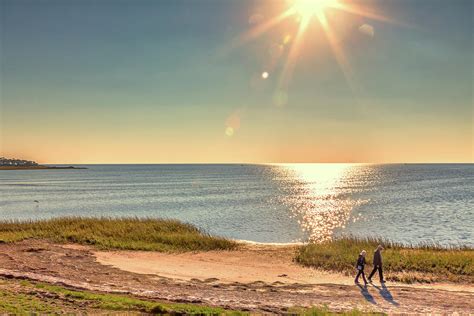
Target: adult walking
377 264
360 267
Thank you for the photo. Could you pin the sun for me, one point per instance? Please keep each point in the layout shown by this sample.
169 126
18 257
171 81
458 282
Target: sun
303 13
308 8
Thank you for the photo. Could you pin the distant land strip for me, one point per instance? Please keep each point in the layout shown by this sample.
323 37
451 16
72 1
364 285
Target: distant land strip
38 167
21 164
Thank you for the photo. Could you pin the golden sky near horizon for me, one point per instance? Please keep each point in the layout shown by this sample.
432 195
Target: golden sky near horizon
381 144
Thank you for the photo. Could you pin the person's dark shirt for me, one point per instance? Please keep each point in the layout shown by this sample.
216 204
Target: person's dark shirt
377 258
361 261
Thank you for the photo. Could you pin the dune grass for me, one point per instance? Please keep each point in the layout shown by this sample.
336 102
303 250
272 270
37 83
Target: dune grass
122 233
422 263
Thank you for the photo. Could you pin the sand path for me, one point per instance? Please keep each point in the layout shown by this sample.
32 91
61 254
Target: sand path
254 263
270 264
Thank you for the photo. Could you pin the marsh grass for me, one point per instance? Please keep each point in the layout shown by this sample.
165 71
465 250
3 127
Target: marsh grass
422 263
112 233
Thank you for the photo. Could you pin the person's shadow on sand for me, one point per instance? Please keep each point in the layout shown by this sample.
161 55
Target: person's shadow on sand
365 293
385 293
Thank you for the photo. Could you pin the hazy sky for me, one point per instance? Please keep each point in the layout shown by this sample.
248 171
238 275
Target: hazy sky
102 81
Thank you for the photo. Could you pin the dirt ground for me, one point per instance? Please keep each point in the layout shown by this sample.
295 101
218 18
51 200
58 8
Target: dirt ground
257 278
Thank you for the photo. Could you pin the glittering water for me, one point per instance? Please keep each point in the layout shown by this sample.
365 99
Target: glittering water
266 203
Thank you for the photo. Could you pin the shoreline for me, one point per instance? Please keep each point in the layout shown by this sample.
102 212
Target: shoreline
167 260
407 264
276 244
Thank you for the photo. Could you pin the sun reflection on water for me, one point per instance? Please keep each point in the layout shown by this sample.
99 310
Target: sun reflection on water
320 196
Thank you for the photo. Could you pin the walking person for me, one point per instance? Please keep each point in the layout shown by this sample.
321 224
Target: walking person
360 267
377 264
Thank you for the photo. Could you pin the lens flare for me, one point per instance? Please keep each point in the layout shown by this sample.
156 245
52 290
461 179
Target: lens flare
229 131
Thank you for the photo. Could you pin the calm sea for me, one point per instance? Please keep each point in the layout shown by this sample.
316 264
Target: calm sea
409 203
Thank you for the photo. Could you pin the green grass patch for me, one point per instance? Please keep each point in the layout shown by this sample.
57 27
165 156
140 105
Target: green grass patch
24 304
26 298
324 311
122 233
104 301
423 263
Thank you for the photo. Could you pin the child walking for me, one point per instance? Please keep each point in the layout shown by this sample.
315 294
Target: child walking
360 267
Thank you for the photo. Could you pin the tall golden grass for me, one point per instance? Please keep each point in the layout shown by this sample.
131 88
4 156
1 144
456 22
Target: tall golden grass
113 233
425 262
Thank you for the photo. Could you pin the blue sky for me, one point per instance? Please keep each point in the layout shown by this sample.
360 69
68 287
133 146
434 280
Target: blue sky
160 81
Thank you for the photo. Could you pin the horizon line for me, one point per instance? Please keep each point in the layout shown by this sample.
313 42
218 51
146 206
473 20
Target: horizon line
253 163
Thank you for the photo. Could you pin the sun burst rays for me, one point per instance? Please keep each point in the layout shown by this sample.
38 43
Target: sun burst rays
305 11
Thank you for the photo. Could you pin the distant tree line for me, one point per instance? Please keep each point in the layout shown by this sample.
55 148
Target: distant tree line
16 162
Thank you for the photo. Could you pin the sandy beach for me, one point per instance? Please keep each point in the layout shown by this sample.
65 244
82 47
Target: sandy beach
257 278
271 264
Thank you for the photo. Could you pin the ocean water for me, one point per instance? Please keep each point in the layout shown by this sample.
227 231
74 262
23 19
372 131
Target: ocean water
409 203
